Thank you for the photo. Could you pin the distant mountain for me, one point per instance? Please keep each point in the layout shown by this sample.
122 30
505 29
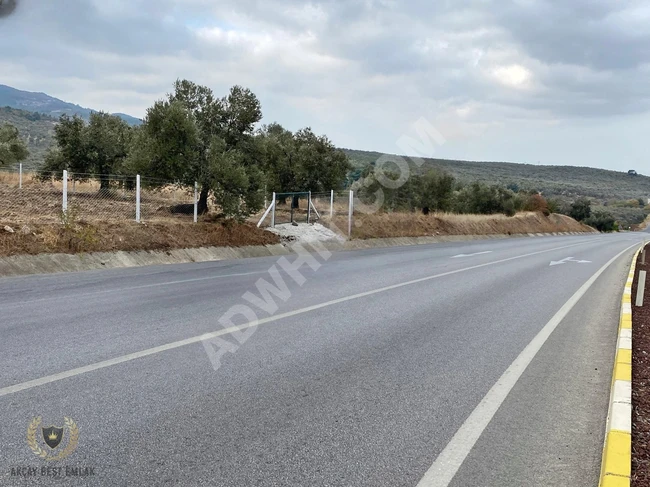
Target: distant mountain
48 105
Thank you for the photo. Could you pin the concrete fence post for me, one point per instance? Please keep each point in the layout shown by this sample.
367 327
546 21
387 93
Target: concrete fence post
350 212
137 198
331 204
273 211
309 208
65 191
196 202
20 176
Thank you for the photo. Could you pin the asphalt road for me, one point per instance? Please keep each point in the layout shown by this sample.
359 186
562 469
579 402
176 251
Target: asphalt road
465 364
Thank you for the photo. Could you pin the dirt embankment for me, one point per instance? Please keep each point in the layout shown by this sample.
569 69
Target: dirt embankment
93 236
128 236
389 225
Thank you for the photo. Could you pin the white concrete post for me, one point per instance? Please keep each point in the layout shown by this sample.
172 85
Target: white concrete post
20 176
331 204
640 288
65 191
196 202
273 211
350 211
137 198
309 208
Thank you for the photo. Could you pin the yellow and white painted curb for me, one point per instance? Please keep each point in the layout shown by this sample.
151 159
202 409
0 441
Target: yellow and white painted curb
617 453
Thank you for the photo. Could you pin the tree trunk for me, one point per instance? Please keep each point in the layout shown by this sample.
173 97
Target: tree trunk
202 206
104 183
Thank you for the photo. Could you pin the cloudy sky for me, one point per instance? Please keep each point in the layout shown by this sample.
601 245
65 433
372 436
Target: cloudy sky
549 82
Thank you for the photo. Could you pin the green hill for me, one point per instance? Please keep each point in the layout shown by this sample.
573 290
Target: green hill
559 181
37 129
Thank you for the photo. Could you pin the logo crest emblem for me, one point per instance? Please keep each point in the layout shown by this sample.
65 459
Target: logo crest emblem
52 436
53 447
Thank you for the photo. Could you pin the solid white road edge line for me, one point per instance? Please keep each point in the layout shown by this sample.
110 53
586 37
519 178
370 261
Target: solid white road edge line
188 341
445 467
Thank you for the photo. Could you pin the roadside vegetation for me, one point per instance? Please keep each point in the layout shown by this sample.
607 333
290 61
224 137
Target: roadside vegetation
192 135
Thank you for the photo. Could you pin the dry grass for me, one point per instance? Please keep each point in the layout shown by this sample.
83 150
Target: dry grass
128 236
387 225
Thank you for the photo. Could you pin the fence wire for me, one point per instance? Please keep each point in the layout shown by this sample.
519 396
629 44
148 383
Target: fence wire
324 210
38 198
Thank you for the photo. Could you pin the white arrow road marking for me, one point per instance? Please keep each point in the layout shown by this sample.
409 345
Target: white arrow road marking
471 255
569 259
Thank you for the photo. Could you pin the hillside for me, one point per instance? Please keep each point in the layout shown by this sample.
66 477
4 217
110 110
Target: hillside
42 103
562 181
35 128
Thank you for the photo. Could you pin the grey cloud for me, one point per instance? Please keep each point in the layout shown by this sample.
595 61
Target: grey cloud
582 56
578 32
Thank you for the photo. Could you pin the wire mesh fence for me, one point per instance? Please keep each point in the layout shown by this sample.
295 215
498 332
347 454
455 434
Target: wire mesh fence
25 197
292 208
331 209
39 197
163 201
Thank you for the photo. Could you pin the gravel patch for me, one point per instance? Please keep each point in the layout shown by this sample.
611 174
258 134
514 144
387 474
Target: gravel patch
305 233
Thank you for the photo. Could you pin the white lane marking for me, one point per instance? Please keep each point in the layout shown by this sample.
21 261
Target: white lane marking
445 467
569 259
471 255
132 288
181 343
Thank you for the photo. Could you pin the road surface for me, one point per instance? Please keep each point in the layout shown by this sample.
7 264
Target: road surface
462 364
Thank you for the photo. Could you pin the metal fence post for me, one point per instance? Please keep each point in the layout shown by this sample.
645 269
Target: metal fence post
20 176
196 202
273 211
137 198
65 191
350 211
309 207
331 204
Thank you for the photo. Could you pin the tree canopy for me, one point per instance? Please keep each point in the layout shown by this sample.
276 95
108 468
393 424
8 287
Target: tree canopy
192 135
12 148
98 147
